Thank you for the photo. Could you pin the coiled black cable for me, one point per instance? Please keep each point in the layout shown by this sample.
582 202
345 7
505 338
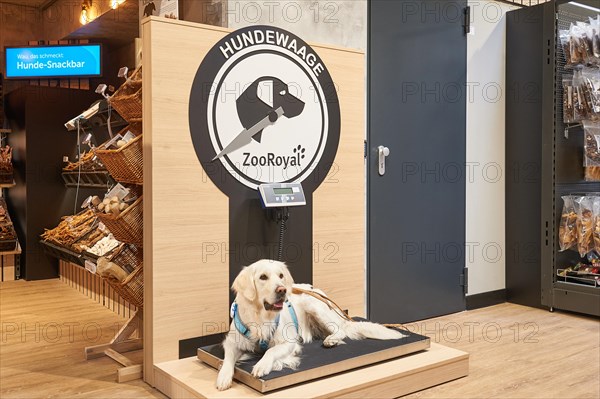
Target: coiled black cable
282 228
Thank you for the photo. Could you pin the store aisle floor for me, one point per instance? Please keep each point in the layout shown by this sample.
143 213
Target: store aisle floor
45 326
516 352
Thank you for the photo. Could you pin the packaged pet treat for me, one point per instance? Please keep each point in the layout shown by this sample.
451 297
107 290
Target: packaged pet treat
592 150
596 233
591 80
580 111
585 225
565 41
568 109
576 46
590 92
595 33
567 231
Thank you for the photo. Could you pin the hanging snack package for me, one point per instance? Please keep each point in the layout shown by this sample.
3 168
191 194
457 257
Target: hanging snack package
585 40
579 105
585 225
567 231
591 77
595 29
565 37
576 47
590 91
596 233
592 150
568 110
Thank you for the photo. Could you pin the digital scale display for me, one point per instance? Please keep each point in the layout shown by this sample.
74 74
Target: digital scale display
280 191
281 195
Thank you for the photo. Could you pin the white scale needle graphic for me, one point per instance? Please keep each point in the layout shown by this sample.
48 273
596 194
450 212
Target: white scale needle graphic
245 137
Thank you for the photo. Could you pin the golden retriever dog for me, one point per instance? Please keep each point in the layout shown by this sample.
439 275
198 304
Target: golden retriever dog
268 317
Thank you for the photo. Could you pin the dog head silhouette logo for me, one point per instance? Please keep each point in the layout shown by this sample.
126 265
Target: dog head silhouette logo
259 94
252 106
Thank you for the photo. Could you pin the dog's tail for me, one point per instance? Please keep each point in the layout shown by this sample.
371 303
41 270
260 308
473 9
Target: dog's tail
366 329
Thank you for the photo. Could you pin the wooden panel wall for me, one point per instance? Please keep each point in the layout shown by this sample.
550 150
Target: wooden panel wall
186 294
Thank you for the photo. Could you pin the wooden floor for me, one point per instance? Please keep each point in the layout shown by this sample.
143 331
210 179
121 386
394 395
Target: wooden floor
516 352
44 327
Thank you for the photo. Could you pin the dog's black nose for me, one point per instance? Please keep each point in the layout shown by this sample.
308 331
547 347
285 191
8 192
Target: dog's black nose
281 290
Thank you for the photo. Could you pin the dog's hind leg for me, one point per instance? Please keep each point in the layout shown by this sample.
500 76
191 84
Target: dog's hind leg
367 329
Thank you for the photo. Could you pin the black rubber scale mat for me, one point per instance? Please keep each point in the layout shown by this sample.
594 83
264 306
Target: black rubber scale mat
318 361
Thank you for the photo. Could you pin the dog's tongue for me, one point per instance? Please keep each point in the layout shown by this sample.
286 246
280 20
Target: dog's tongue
278 305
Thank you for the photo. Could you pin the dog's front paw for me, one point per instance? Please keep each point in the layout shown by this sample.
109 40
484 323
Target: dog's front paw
224 380
262 368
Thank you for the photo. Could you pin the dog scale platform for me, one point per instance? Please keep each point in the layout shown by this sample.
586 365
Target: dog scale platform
318 361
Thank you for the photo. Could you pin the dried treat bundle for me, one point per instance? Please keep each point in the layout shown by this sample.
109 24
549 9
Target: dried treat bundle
6 160
592 150
585 225
581 43
596 233
592 173
567 231
71 229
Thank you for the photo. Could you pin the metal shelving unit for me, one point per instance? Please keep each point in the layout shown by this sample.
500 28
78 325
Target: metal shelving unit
543 162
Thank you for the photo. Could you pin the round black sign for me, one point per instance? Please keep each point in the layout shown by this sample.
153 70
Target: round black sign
264 109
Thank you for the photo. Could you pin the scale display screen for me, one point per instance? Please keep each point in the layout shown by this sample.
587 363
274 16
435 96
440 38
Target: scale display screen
281 195
283 191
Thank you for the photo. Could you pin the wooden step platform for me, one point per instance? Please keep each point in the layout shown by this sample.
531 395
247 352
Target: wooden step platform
190 378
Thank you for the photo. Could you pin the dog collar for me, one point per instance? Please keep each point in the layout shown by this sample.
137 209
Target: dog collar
245 331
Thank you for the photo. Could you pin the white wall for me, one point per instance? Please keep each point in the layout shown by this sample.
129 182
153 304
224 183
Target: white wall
486 49
340 23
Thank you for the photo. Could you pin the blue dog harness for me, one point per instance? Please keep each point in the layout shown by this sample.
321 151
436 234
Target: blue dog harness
245 331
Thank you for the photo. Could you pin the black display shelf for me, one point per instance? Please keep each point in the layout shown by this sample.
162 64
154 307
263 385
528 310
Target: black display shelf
87 179
62 253
544 161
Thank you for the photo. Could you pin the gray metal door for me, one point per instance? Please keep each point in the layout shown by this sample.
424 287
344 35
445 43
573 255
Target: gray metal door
417 59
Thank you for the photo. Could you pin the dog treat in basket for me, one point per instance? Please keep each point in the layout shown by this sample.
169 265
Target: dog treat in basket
107 269
585 225
88 240
567 231
103 246
113 205
7 232
88 161
71 229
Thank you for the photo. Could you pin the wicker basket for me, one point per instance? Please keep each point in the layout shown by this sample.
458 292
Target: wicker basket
128 227
127 100
132 288
126 164
129 258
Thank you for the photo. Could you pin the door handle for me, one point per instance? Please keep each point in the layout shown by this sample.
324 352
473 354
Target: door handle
383 153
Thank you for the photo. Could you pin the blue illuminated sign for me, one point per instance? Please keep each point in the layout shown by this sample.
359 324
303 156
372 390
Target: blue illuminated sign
53 61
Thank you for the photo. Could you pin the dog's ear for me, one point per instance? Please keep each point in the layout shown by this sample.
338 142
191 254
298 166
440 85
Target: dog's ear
288 276
244 284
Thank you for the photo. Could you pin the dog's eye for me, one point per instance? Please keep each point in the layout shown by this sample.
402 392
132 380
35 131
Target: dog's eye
282 93
281 275
263 277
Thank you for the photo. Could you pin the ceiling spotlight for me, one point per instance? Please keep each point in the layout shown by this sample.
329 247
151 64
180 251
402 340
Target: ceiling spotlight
84 18
116 3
